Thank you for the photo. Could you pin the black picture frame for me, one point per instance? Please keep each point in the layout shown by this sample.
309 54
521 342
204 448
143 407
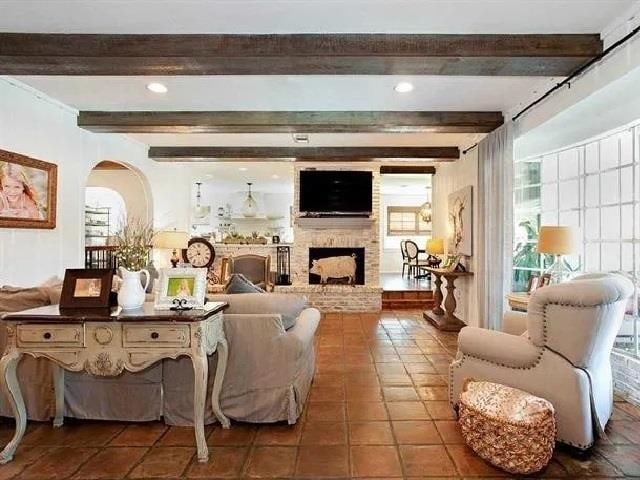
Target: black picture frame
532 284
86 288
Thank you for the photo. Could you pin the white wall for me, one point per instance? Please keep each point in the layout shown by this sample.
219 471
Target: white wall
34 125
450 177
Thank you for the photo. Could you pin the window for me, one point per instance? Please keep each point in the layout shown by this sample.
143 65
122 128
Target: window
593 187
402 221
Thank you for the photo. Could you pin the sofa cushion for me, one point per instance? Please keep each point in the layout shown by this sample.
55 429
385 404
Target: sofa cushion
238 283
289 306
16 299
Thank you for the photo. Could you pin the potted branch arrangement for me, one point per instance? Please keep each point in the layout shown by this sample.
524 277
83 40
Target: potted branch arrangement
133 245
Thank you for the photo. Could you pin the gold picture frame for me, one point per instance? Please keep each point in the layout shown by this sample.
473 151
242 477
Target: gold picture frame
28 192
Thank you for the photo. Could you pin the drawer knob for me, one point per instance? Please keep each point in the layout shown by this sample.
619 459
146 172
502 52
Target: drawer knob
155 335
46 335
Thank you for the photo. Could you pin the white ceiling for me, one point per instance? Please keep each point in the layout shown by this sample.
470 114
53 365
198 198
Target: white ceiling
309 16
281 92
268 177
293 93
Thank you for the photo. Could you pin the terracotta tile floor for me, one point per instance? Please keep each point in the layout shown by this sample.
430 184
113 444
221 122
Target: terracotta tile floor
377 409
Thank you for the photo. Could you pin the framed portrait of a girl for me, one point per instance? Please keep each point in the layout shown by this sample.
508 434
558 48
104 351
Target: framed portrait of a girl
28 189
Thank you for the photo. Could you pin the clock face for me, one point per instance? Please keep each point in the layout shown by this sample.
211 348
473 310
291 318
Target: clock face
199 254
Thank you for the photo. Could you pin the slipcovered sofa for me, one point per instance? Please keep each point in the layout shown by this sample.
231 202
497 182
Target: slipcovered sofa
560 350
268 376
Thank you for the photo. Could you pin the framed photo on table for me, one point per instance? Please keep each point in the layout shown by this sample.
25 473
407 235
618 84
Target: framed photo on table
86 288
186 284
545 280
28 190
532 284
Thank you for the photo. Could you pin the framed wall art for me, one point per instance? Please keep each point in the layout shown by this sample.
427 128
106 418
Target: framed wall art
461 221
28 192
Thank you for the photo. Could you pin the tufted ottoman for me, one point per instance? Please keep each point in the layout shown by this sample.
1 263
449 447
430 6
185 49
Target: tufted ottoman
507 427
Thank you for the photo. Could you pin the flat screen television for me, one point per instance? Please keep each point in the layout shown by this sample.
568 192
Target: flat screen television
335 193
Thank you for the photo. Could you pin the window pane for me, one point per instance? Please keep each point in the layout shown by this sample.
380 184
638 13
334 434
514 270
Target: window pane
626 184
569 194
626 147
568 163
526 173
610 221
528 198
609 152
591 158
549 197
549 168
592 190
610 188
592 257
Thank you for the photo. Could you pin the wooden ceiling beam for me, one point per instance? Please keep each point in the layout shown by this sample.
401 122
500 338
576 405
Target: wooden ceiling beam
316 154
295 54
289 122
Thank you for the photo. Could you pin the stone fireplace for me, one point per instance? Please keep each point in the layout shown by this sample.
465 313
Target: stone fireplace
341 237
336 266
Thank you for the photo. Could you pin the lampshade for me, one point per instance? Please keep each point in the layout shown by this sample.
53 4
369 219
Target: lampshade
556 240
435 246
170 239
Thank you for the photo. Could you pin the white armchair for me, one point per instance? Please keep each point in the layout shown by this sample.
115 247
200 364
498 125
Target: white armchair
560 350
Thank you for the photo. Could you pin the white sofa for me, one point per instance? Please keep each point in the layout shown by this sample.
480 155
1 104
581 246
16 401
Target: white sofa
559 350
269 372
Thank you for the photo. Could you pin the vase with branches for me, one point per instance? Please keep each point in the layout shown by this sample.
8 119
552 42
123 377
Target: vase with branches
133 245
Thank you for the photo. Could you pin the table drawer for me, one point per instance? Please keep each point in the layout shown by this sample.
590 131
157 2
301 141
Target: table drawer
156 335
56 335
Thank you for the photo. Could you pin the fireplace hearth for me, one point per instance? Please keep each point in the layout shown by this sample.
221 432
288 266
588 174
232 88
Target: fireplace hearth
336 266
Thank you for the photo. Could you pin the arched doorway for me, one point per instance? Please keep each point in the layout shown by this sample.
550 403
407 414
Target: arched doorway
115 193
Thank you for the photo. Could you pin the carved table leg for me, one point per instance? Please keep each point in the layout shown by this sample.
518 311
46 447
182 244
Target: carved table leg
10 385
200 373
437 295
58 380
223 354
441 319
450 303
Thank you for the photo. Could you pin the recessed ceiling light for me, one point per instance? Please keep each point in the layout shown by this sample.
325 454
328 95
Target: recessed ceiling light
403 87
156 87
243 169
275 176
301 138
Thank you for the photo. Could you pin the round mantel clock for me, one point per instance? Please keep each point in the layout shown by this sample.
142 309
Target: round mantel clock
199 253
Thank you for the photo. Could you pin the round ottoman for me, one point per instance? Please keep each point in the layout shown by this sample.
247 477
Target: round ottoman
507 427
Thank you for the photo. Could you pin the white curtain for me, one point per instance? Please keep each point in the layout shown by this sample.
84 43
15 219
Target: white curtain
495 224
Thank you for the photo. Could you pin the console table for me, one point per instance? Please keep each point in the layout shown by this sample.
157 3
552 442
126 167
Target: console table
445 319
105 345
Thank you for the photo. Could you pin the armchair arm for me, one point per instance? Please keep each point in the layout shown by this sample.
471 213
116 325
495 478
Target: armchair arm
514 323
305 328
497 347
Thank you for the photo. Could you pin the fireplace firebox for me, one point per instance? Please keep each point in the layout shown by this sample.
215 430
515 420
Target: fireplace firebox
336 266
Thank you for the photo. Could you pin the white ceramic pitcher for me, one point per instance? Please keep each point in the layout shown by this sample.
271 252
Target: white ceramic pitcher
131 293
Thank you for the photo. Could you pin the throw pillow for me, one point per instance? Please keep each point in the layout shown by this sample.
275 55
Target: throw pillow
16 299
238 283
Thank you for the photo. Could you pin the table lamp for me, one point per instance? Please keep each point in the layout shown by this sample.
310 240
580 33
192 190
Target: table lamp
557 241
172 240
435 246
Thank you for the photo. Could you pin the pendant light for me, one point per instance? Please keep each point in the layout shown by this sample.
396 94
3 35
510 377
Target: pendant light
425 212
249 206
200 213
